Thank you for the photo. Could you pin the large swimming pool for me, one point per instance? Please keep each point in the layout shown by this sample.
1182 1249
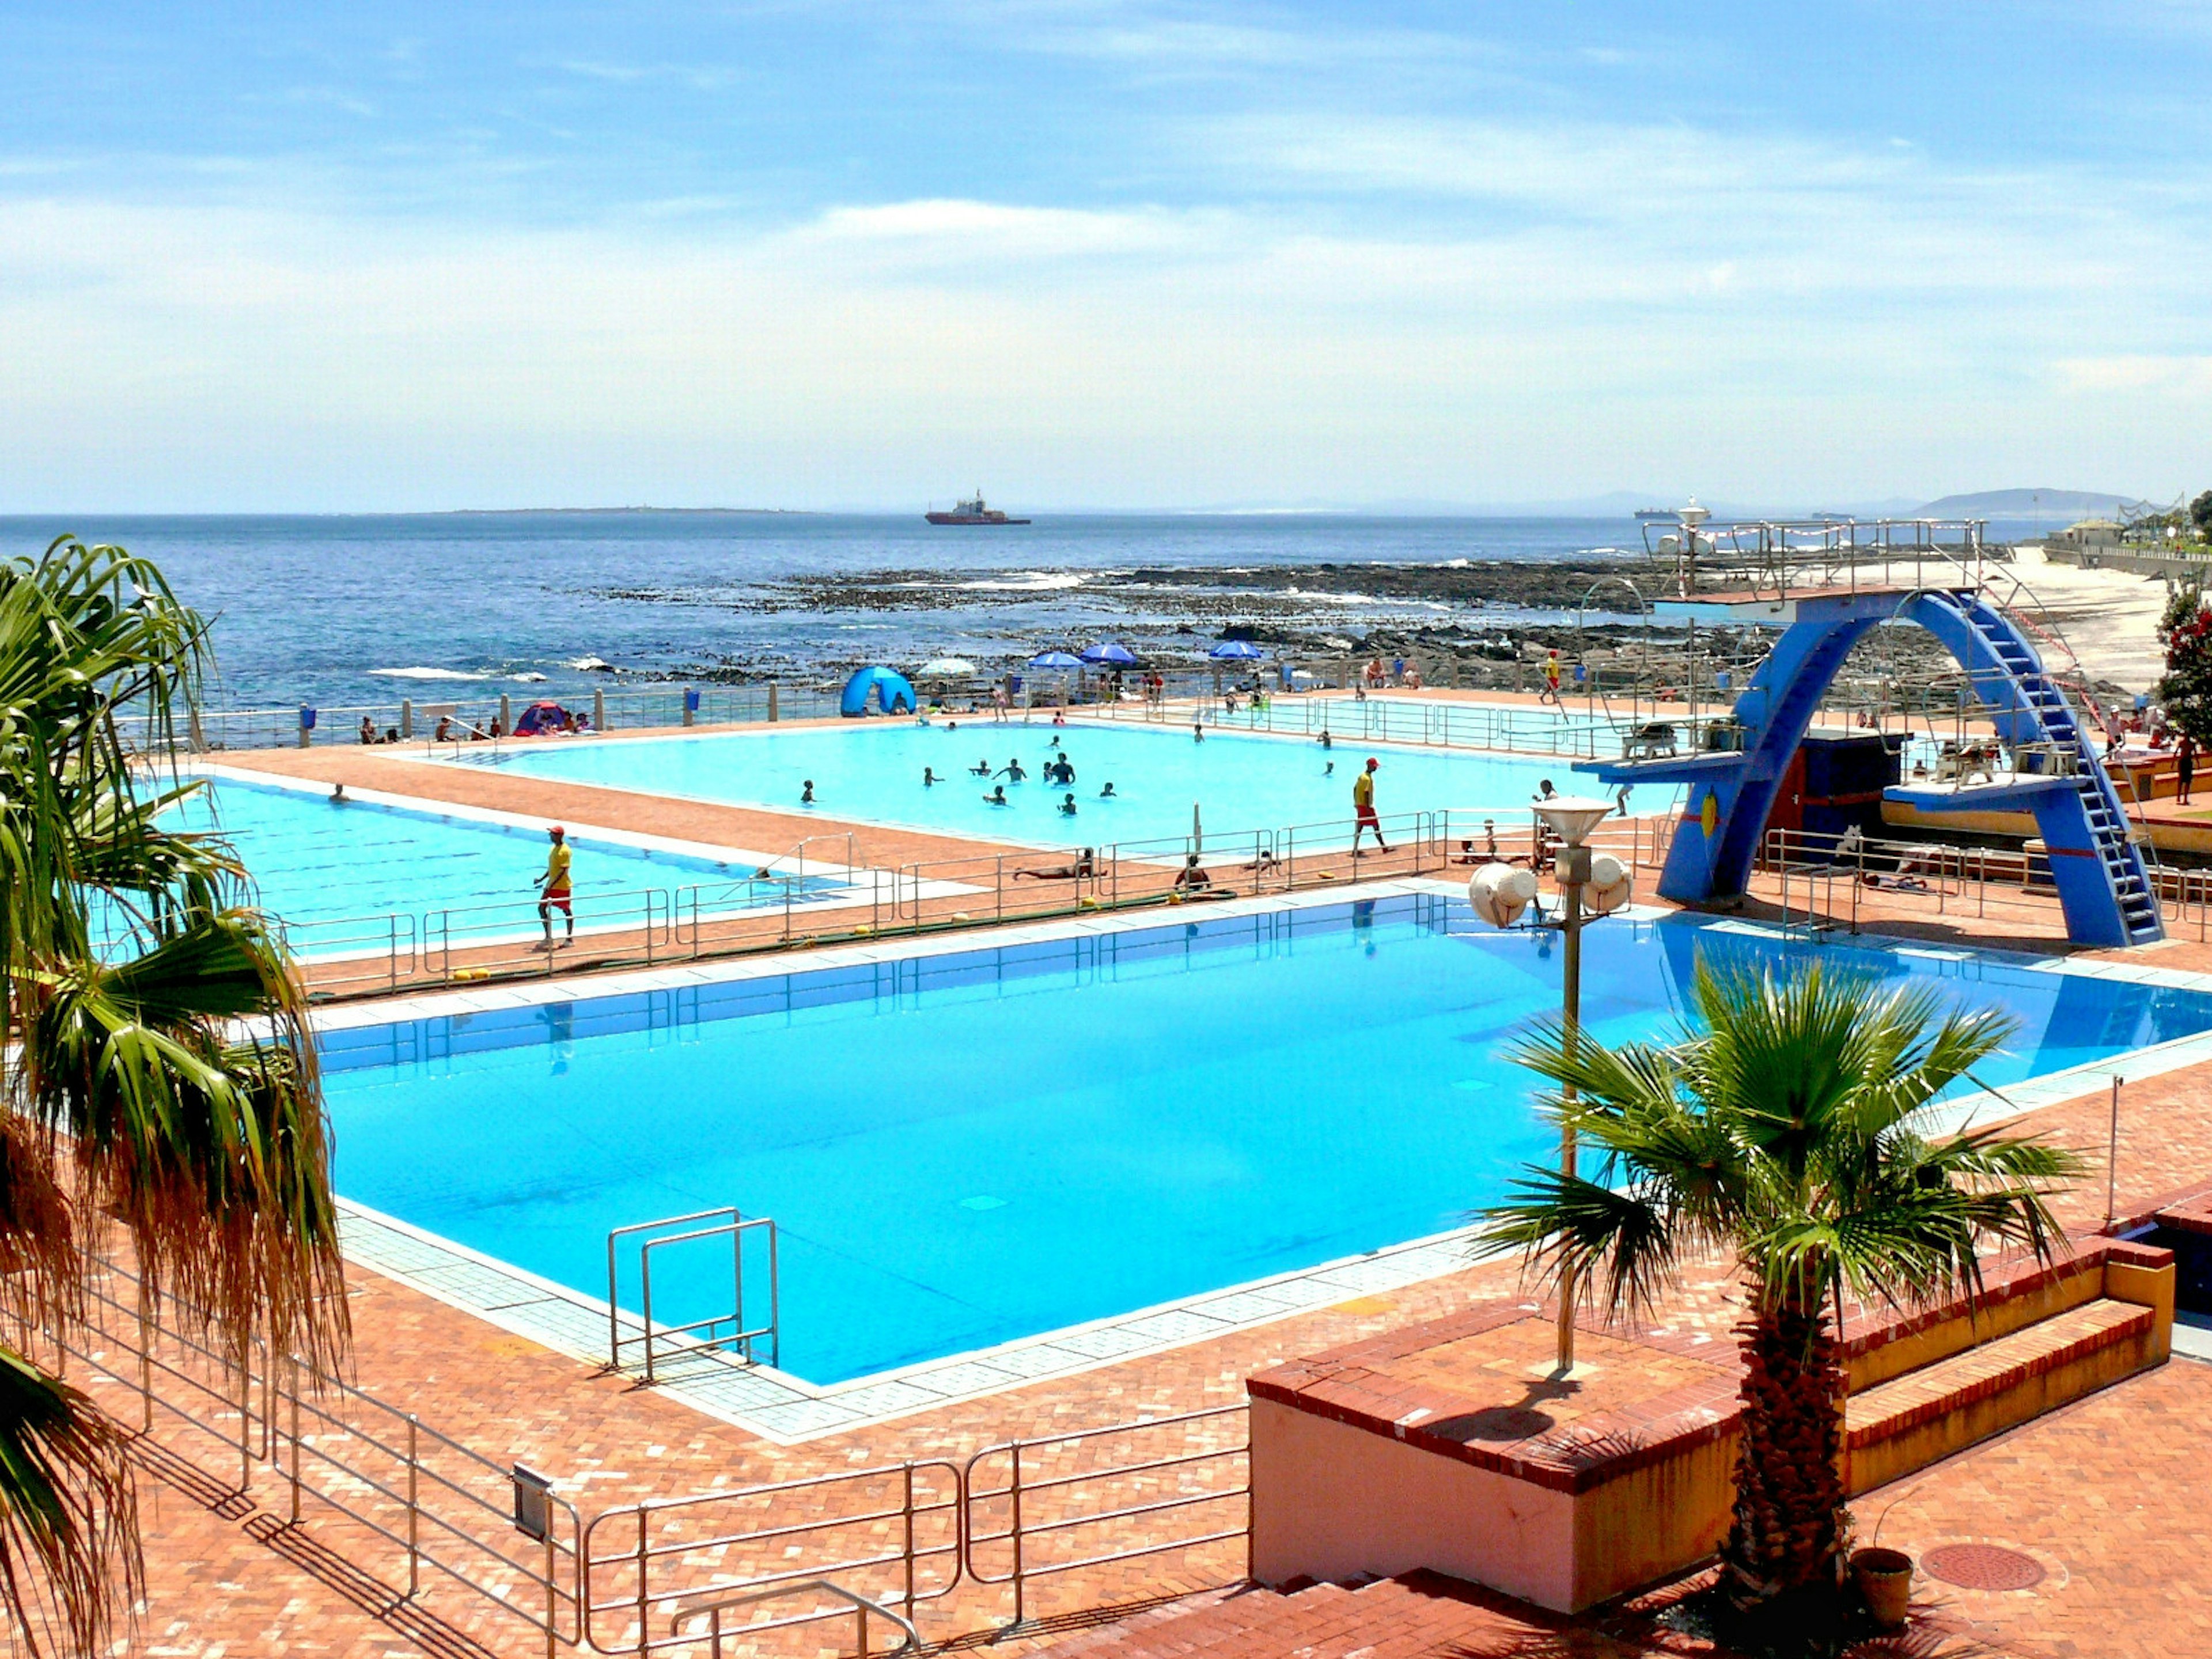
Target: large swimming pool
965 1149
874 772
316 860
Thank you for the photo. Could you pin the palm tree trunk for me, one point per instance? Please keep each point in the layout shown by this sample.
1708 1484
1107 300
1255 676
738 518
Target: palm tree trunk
1789 1486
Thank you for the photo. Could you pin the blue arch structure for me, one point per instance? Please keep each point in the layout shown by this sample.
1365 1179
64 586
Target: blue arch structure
2097 870
892 693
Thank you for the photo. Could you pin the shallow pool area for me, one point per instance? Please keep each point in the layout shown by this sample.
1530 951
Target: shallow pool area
873 772
974 1146
316 860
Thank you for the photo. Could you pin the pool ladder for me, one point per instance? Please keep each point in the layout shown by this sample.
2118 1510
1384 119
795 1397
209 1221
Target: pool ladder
716 1333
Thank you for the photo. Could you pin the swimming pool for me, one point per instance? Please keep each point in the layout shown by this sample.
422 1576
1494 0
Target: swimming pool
968 1148
873 773
316 861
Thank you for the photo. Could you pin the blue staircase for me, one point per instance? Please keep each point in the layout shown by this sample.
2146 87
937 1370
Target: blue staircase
2043 716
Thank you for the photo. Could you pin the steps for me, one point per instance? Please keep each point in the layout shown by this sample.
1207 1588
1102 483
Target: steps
1409 1616
2044 704
1911 1420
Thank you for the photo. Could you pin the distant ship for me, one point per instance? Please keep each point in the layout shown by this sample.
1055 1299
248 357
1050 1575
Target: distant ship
973 512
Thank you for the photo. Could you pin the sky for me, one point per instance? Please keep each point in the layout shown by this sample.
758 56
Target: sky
345 257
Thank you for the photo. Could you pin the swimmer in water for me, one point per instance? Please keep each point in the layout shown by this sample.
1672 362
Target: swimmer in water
1329 770
1013 773
997 797
806 793
1107 794
1198 731
1067 806
981 768
338 795
929 778
1326 741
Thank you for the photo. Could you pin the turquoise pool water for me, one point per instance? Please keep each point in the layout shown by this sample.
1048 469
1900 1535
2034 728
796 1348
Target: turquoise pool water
317 861
873 772
961 1150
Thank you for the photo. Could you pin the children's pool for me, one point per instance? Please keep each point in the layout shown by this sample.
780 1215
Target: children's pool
316 860
873 773
965 1149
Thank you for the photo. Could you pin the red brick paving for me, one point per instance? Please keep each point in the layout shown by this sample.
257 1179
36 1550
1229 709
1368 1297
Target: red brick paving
2107 1493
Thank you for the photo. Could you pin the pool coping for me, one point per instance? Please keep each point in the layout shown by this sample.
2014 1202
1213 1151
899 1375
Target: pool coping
787 1410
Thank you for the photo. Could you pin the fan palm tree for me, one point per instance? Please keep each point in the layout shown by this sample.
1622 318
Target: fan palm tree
1786 1127
155 1072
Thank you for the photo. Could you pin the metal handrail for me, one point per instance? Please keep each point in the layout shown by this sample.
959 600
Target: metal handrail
739 1336
862 1605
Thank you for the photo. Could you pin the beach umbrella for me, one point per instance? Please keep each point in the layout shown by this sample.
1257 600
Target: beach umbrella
1237 651
947 666
1109 651
1055 660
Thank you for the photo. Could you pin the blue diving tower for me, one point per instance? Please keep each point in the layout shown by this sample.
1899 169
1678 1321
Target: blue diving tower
2098 870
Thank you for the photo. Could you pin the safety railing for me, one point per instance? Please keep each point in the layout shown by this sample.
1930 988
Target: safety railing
1830 878
891 1534
453 1515
1062 1502
697 1336
713 1607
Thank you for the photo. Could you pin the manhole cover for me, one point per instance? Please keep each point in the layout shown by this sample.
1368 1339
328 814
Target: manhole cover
1983 1567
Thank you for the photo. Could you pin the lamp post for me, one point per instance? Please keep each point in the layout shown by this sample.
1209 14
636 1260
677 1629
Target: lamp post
1571 818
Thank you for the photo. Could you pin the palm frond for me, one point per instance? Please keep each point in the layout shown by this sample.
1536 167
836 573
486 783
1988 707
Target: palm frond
69 1526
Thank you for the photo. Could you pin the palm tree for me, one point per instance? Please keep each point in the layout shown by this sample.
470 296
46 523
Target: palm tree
1786 1127
156 1075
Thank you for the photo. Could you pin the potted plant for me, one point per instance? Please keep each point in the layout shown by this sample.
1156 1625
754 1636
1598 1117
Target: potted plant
1884 1577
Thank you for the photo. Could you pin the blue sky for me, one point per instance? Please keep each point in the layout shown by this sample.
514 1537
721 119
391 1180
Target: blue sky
401 256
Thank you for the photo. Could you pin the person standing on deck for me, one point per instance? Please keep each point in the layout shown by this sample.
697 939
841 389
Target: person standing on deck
1362 806
554 891
1551 681
2184 770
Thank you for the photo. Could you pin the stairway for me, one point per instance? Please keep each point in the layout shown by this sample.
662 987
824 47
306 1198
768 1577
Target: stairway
1967 1389
2055 724
1409 1616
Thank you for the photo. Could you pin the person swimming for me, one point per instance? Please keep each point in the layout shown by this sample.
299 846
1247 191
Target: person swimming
1198 731
1012 771
997 797
1067 806
929 778
1329 770
1326 741
981 768
806 793
1107 794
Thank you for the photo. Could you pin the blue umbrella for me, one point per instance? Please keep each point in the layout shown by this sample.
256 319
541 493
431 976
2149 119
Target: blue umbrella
1055 660
1111 651
1237 651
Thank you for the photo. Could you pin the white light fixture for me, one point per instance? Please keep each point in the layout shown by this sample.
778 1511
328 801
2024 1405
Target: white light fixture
1571 817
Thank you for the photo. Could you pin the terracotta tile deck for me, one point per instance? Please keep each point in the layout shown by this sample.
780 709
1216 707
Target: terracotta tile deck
2108 1491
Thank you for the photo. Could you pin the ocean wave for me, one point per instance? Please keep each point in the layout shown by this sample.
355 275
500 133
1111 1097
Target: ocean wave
426 674
527 679
589 666
1027 581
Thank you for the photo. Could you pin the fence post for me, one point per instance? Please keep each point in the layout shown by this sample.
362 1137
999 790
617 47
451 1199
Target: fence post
145 1361
598 709
1014 1492
906 1510
413 1461
553 1595
292 1372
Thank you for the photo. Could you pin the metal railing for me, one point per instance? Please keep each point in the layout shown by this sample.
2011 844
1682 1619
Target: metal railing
697 1336
1048 1522
496 1529
894 1530
713 1608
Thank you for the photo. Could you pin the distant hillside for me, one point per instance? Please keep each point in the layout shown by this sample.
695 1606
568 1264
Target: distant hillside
2061 504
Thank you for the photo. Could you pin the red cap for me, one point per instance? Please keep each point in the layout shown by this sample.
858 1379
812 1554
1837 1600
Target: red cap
1372 762
556 829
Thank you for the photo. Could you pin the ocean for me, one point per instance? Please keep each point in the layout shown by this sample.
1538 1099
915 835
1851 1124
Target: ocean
343 610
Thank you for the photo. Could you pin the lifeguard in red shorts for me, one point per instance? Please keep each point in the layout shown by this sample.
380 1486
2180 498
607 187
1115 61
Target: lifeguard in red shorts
553 888
1362 806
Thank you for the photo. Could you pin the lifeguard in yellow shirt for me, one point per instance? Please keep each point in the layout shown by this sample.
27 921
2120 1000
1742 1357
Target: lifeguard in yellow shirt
553 887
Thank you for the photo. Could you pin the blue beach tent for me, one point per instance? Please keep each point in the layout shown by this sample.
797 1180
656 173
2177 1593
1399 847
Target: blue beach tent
893 694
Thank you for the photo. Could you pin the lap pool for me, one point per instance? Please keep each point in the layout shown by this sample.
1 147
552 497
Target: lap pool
965 1149
873 773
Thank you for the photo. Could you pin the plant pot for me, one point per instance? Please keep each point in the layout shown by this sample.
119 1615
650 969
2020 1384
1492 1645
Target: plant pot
1885 1580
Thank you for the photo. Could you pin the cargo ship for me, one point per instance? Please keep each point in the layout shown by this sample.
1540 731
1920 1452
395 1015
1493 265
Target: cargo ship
973 512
